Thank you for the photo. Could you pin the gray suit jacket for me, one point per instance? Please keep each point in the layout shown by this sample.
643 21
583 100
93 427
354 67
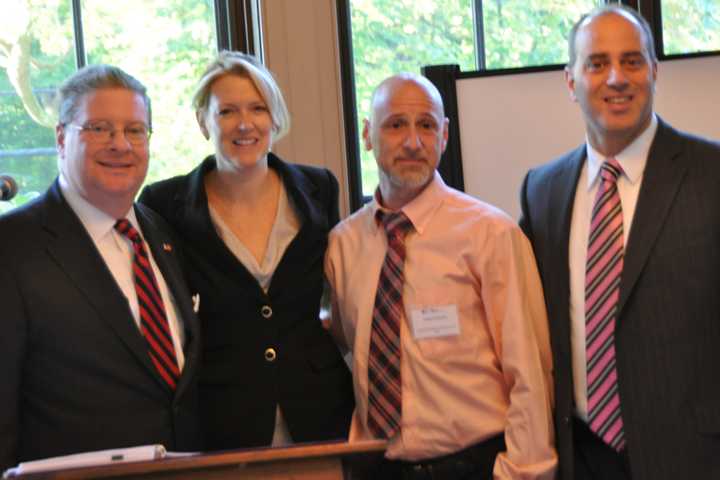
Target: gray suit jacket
76 374
667 336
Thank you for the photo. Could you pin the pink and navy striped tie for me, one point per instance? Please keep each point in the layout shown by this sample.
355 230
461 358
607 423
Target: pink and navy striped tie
602 294
384 388
153 319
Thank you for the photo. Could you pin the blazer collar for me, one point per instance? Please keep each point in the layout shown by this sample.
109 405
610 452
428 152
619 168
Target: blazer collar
562 200
193 212
299 189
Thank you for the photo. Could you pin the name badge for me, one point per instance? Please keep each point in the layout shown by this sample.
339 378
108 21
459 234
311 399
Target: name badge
433 322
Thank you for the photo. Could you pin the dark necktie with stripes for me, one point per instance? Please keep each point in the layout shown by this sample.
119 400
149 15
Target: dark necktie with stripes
602 293
384 387
153 319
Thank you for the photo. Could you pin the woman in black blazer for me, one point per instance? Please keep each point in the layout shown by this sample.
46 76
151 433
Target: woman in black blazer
254 231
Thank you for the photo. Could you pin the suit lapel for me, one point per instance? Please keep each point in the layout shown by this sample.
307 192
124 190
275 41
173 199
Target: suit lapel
163 251
559 217
663 175
76 254
302 193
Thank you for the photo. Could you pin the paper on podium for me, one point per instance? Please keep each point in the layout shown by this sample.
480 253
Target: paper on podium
89 459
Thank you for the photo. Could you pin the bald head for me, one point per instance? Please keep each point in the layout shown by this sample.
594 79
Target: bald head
389 87
630 14
407 132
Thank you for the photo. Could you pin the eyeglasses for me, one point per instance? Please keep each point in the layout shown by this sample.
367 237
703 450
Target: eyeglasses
103 132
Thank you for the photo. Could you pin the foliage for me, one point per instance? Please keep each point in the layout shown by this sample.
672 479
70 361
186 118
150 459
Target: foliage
691 25
391 36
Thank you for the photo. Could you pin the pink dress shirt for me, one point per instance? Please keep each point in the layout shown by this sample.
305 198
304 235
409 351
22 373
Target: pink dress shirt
493 377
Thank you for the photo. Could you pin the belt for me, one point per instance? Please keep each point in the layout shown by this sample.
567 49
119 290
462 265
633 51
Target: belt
476 461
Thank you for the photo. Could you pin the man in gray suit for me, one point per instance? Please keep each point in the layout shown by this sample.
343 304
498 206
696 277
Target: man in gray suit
626 232
99 345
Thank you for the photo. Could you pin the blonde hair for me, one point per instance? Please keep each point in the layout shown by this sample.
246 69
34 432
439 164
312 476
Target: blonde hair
240 64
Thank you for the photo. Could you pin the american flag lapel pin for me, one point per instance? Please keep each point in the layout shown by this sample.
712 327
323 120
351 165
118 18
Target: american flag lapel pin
167 247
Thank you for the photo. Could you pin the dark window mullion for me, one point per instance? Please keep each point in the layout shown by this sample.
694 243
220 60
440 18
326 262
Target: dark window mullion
650 9
80 55
479 35
237 22
350 114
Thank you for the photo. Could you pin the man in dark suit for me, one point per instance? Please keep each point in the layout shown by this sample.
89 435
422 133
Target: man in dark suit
99 340
626 232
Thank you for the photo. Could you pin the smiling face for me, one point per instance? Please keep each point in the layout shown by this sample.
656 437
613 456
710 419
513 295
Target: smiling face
407 134
106 174
613 80
238 122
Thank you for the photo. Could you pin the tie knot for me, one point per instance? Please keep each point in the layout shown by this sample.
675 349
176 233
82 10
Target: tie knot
124 227
610 170
396 224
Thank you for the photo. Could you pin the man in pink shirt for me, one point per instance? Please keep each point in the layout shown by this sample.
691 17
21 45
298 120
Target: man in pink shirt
446 320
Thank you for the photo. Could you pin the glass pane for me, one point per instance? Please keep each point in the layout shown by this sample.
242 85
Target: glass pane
390 36
690 26
36 54
166 44
522 33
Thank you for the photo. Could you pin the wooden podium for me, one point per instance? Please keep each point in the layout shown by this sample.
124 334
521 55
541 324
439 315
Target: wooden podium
317 461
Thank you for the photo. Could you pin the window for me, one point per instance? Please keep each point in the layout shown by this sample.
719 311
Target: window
164 43
690 26
389 36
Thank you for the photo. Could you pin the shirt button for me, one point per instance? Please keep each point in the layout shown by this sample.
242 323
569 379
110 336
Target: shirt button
266 311
270 354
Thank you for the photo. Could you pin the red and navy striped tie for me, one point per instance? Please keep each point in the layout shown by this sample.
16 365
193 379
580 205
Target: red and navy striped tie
153 320
602 294
384 388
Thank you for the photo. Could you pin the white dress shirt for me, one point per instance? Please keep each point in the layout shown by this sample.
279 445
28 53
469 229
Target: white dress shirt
118 253
632 160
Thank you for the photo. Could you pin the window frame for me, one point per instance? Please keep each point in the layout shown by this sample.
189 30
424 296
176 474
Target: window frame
236 25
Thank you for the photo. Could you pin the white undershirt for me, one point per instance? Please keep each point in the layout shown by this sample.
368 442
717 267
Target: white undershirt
117 252
633 160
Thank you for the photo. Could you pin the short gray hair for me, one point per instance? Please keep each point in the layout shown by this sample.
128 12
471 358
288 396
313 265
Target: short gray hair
617 9
91 78
247 66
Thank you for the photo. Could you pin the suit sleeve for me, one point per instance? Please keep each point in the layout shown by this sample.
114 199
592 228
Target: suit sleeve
524 212
12 351
147 197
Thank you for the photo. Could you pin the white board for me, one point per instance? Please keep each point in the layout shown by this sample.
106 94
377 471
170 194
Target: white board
511 123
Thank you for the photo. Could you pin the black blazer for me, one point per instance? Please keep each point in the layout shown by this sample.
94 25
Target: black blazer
667 335
76 375
240 388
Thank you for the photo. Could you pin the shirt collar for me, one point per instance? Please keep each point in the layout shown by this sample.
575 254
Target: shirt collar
97 223
632 159
421 208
